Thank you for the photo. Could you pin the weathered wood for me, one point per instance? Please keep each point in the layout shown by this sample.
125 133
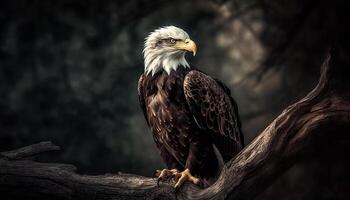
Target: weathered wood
300 131
25 178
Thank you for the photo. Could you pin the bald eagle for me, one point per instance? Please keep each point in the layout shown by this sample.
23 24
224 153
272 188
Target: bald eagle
193 117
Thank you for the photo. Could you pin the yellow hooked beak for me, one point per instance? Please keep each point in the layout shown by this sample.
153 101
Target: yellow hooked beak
187 45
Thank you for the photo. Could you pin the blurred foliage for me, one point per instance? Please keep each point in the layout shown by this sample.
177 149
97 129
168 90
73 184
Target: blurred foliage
69 70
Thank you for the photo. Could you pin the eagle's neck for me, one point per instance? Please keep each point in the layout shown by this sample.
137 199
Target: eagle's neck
155 62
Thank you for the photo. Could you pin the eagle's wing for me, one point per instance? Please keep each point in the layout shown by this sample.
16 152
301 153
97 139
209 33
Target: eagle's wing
140 93
214 110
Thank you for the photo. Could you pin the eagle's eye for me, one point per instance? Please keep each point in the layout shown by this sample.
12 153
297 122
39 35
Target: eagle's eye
172 40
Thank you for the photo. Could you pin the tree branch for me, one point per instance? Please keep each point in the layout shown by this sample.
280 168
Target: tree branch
34 180
300 131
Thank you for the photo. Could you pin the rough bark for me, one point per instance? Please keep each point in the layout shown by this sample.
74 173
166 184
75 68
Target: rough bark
321 119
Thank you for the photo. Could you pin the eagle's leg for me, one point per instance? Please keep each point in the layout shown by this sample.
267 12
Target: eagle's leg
165 174
183 176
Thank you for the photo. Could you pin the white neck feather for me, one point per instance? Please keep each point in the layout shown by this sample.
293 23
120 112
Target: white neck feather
156 60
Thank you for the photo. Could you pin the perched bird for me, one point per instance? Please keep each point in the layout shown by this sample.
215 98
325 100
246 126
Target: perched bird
193 117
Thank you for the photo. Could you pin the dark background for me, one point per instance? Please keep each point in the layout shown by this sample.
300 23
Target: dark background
69 71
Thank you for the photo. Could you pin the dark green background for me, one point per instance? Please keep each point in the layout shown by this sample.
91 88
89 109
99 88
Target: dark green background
69 71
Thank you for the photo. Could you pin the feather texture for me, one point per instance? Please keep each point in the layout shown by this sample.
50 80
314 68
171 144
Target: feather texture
190 114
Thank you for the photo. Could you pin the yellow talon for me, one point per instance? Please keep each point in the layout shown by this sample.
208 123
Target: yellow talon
165 174
183 176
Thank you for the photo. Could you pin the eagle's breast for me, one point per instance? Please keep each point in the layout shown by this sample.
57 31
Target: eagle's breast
168 114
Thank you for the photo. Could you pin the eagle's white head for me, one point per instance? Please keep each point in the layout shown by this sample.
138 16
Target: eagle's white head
165 48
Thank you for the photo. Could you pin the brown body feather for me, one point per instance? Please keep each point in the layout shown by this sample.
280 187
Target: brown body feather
189 113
